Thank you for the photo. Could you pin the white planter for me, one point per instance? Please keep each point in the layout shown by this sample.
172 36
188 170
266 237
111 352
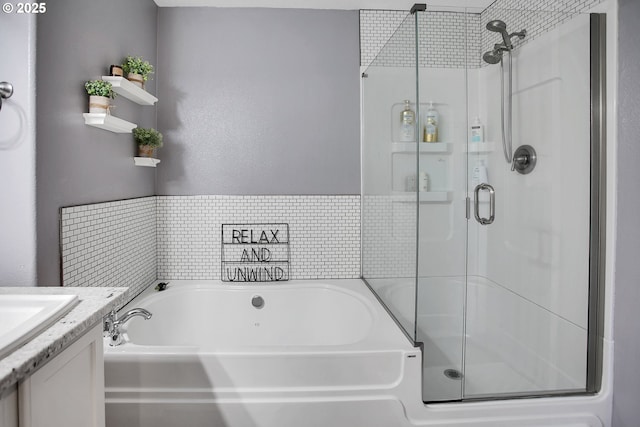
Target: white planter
99 104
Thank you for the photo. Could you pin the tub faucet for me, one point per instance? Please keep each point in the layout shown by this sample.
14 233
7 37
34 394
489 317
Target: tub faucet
112 324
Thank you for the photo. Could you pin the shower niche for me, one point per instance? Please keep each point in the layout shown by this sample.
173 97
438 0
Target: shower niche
500 309
435 164
434 157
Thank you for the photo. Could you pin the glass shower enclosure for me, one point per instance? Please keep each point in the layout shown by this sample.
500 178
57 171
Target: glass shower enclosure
491 263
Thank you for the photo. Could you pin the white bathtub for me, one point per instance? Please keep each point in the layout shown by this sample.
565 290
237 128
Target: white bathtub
208 357
318 353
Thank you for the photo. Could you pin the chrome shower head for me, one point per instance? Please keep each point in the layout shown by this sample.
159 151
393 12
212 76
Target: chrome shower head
498 26
492 56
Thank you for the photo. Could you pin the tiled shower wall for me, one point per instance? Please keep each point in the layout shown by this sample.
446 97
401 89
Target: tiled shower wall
134 242
387 37
441 41
536 16
376 28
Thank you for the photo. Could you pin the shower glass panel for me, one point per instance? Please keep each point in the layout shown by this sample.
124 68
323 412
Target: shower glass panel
389 176
494 272
442 239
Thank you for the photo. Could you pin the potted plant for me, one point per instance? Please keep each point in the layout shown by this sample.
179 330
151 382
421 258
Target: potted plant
100 95
137 70
147 140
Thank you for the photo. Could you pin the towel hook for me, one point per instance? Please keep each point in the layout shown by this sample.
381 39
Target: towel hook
6 90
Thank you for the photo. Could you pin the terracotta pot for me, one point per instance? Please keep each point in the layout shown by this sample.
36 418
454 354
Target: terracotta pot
146 151
99 104
136 79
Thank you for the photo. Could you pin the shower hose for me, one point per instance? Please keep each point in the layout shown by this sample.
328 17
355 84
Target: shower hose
506 122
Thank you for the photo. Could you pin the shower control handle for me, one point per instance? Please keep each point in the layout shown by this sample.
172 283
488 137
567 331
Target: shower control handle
492 204
524 159
520 160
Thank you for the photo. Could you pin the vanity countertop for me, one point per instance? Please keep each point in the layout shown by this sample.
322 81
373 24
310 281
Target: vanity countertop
94 303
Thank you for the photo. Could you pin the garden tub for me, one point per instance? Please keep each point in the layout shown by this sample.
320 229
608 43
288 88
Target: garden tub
276 354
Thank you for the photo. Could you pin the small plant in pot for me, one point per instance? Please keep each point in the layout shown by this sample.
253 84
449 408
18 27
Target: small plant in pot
100 95
137 70
147 140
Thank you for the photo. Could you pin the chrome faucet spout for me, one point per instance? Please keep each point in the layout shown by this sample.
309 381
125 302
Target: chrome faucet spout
133 313
112 323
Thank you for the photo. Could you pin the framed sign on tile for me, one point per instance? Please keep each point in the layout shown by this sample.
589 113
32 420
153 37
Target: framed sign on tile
255 252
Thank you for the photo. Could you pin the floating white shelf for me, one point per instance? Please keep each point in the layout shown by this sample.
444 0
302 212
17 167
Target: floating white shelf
146 161
124 87
424 196
108 122
480 147
425 147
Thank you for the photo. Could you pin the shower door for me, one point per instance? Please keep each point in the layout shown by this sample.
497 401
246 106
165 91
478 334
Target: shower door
504 257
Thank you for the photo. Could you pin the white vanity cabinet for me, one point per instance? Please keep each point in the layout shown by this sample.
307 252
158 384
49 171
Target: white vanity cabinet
68 391
9 409
56 379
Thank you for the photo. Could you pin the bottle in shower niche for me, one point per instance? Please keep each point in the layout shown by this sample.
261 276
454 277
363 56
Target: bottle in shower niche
431 124
477 131
407 123
479 174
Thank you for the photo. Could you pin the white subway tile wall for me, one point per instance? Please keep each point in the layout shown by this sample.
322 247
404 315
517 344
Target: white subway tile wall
134 242
535 16
387 38
376 28
389 236
324 233
399 50
109 244
442 37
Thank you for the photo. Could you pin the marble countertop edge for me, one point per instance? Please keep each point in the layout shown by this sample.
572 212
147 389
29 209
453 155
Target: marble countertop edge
94 303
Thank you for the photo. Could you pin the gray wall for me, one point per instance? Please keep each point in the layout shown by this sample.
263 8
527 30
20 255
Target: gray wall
258 101
77 40
626 411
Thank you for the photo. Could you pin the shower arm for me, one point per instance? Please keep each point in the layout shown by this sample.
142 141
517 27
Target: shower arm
504 47
520 34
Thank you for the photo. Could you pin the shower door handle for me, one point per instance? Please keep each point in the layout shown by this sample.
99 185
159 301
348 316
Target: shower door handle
492 204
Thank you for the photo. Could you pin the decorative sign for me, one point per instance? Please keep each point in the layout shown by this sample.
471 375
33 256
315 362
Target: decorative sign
255 252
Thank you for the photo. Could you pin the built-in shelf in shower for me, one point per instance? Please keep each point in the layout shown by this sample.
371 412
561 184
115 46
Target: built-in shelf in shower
108 122
424 196
124 87
424 147
480 147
